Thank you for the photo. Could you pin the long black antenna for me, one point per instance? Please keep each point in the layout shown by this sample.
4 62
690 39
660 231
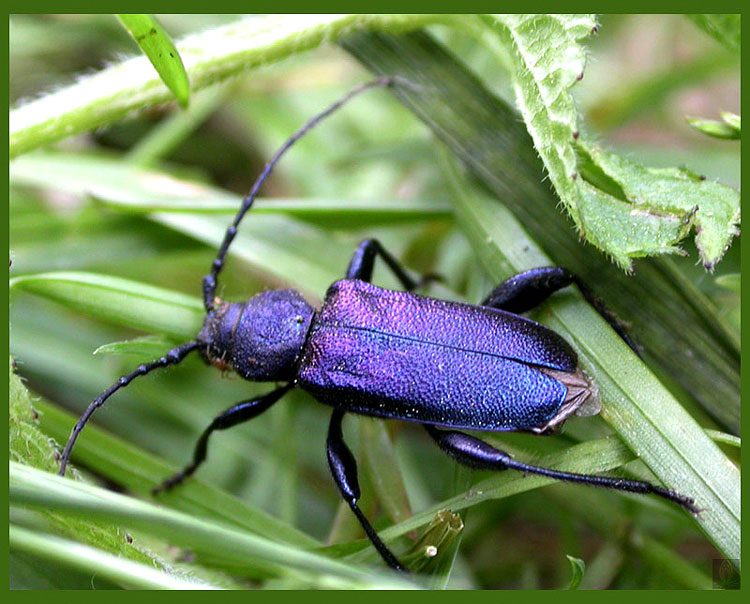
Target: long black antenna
210 280
174 356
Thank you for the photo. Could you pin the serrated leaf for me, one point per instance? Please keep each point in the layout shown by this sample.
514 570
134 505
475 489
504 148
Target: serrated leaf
725 28
29 445
156 44
546 60
676 196
612 223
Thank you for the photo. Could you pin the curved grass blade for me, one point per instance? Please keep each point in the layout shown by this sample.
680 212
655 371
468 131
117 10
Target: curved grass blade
91 560
156 44
37 489
132 189
139 472
118 300
578 568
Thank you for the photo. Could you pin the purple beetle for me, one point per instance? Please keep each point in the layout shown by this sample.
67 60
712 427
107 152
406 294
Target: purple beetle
397 355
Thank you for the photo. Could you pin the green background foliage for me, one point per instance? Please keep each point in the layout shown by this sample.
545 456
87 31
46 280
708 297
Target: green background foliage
498 160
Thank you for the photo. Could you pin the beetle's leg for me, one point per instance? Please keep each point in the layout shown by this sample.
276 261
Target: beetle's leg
344 469
363 261
475 453
234 415
527 290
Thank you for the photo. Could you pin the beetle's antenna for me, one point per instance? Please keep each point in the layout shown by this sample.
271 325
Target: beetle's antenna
173 357
210 280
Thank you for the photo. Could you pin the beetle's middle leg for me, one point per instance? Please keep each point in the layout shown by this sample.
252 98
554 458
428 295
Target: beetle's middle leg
233 416
363 262
526 290
344 470
476 453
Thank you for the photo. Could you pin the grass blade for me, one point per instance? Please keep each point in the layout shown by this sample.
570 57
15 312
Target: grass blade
30 487
88 559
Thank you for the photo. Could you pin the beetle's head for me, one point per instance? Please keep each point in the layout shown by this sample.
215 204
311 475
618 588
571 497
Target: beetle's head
260 339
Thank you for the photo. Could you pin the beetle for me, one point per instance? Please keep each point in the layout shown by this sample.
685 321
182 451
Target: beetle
399 355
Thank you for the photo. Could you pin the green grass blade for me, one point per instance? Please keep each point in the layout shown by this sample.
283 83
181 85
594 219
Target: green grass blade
37 489
635 404
88 559
725 28
133 189
139 472
156 44
118 300
209 57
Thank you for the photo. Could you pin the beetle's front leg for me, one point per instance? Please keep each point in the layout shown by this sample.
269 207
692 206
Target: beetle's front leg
234 415
363 262
344 469
527 290
476 453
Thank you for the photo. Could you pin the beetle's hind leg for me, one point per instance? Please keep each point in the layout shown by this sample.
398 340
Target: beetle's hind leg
363 261
344 470
234 415
476 453
527 290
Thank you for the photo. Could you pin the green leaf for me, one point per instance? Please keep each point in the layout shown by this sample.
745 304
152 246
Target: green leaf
71 554
119 300
542 78
732 119
33 488
670 196
147 347
577 567
723 437
730 128
649 223
209 57
158 47
725 28
130 189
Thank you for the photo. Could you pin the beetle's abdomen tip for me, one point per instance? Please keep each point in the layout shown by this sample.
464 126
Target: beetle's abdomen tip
582 398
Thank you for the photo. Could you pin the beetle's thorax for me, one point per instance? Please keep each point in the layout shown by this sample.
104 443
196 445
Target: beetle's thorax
260 339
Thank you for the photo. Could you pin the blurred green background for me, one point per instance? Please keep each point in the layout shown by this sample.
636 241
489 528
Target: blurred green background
644 75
